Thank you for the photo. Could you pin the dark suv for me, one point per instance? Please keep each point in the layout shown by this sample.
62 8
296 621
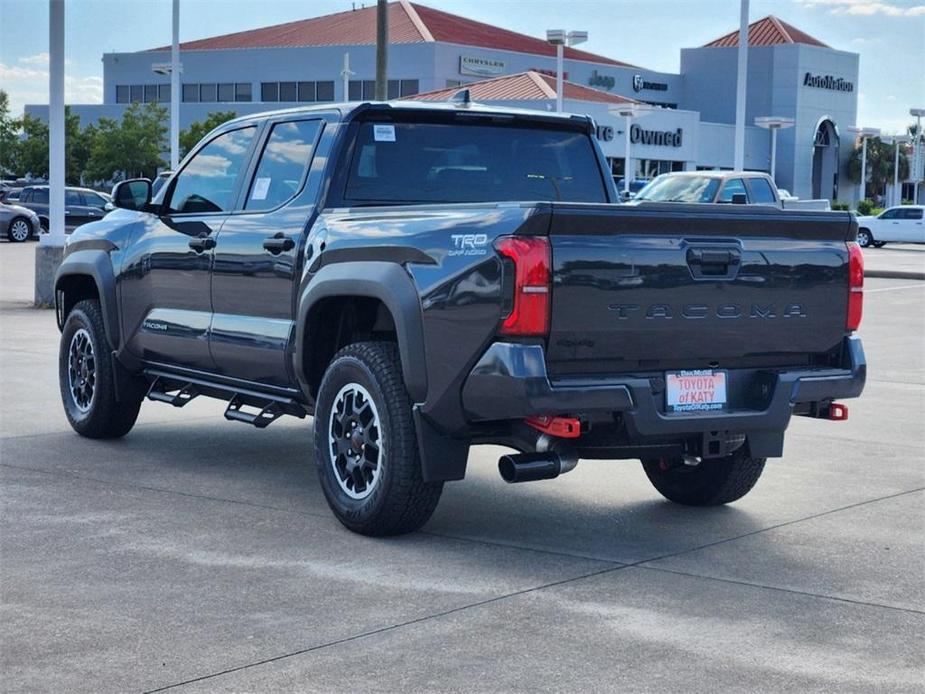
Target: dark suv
81 205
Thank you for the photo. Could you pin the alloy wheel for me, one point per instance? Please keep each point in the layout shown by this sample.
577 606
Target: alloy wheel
20 230
355 441
81 370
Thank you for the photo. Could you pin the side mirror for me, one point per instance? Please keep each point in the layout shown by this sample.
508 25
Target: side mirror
739 199
133 194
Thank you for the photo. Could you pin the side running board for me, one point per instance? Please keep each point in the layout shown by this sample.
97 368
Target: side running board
262 408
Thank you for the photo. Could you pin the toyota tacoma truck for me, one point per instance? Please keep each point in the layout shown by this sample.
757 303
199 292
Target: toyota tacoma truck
421 278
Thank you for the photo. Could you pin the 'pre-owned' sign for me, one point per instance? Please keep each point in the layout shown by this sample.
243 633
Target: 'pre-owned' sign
827 82
658 138
473 65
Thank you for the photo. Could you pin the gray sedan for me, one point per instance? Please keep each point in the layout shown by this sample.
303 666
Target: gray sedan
18 223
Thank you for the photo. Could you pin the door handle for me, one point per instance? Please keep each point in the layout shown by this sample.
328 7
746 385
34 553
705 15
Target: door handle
202 243
279 243
713 262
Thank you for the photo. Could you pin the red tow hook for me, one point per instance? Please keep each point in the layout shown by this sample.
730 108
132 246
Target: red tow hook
562 427
838 412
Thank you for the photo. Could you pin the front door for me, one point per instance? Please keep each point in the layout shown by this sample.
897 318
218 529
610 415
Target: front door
912 225
257 258
165 284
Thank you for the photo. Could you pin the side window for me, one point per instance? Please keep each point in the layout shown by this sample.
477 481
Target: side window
40 196
761 191
26 196
282 164
912 214
733 186
207 182
891 214
93 200
72 197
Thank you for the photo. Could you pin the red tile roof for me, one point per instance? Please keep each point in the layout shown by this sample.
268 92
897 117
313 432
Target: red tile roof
523 86
769 31
408 23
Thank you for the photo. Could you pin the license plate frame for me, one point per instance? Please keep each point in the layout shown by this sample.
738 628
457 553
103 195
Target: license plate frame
696 390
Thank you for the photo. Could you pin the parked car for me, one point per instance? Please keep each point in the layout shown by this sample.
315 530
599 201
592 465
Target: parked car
81 205
424 277
18 223
744 187
903 224
10 195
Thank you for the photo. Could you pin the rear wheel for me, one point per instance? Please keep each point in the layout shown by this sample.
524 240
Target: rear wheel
712 482
865 238
365 444
19 230
87 379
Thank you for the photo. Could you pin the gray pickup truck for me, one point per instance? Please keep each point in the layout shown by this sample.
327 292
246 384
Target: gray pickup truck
422 278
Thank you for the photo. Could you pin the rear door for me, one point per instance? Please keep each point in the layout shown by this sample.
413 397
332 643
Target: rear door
733 186
912 226
665 286
257 256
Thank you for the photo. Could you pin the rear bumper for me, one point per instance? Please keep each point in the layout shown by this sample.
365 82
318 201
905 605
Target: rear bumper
510 382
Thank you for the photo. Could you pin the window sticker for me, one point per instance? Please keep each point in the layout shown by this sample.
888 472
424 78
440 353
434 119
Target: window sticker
384 133
261 187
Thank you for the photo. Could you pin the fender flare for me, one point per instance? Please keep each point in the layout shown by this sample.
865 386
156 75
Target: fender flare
387 282
95 264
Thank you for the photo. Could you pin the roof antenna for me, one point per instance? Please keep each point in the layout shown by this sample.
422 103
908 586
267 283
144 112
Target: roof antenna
462 99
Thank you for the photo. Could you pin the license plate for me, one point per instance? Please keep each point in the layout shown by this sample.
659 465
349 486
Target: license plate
698 390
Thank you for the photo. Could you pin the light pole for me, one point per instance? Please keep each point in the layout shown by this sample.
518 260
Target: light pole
896 141
774 123
174 69
560 39
741 78
629 112
864 133
346 74
919 150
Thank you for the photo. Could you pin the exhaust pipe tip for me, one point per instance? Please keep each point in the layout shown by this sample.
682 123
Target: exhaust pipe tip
531 467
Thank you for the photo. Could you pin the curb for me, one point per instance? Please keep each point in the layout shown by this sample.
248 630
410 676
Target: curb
895 274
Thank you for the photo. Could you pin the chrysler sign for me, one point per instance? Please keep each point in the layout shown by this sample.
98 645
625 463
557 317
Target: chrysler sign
481 67
836 84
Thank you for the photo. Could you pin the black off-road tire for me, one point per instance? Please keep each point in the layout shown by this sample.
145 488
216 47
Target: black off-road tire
398 500
104 416
715 481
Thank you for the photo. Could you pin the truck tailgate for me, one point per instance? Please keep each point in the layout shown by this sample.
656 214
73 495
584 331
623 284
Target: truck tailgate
658 286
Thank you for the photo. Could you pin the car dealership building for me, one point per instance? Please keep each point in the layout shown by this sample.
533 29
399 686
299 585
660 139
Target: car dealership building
433 53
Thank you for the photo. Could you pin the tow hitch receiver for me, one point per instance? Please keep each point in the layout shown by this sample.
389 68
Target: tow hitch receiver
561 427
838 412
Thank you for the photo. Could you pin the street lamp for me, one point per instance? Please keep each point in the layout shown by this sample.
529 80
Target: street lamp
896 141
919 151
174 68
864 133
630 111
774 123
560 39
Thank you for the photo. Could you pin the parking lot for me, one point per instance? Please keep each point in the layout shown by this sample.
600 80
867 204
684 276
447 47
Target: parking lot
199 554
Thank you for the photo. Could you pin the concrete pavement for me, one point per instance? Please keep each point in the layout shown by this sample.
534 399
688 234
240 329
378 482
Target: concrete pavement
199 555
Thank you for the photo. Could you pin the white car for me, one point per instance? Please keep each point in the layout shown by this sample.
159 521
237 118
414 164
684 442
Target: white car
904 224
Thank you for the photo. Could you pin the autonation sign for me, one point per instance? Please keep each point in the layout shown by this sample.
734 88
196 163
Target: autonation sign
836 84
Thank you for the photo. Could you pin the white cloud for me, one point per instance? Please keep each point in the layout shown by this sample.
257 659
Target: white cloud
37 59
29 85
866 8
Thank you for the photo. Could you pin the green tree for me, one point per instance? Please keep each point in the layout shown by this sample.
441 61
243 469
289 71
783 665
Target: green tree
190 137
880 157
33 147
130 147
9 137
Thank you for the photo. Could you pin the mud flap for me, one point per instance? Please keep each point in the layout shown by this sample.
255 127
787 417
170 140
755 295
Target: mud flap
442 458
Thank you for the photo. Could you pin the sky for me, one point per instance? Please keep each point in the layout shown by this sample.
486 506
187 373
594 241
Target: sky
889 35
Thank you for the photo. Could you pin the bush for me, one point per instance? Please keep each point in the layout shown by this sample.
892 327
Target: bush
841 206
865 207
877 211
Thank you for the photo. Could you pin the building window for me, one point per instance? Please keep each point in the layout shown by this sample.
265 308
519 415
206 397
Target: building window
163 93
242 91
366 89
137 93
355 90
269 91
409 87
306 91
191 93
325 91
208 93
150 93
394 89
226 91
287 91
123 94
454 83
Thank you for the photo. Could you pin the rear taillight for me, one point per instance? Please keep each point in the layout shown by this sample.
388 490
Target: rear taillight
530 307
855 286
